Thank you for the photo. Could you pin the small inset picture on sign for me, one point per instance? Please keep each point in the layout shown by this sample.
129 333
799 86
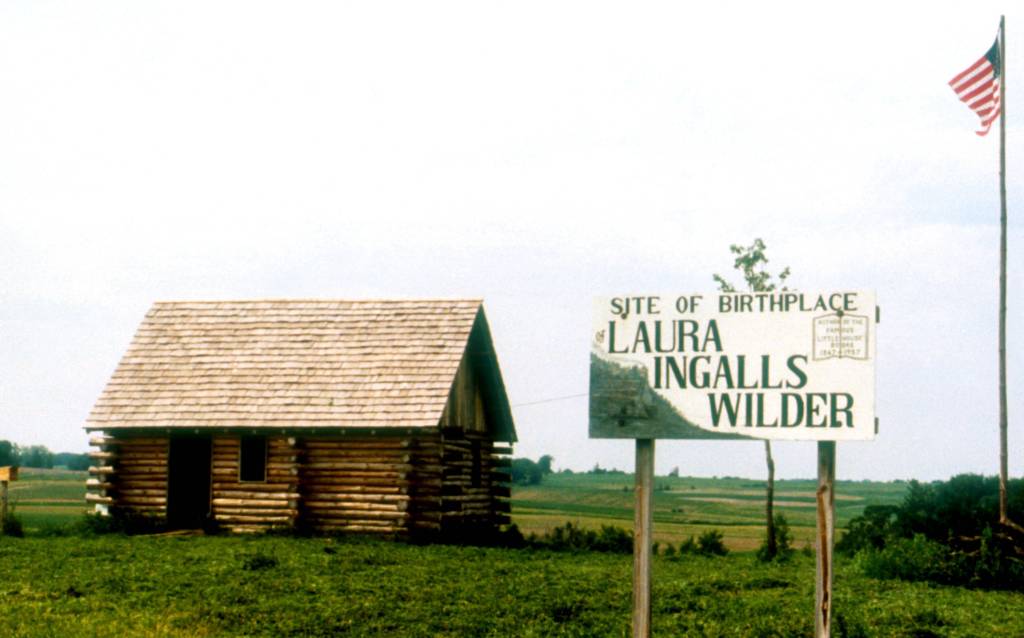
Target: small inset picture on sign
840 336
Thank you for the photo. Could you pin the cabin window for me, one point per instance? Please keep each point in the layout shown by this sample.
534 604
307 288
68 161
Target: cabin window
252 459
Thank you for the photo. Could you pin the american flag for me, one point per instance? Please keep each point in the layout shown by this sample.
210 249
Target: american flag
978 87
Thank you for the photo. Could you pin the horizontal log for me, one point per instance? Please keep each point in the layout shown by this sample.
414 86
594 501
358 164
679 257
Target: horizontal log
124 483
221 512
246 528
142 467
236 518
356 498
239 494
368 444
358 489
141 440
96 498
282 464
141 500
321 507
360 466
102 456
101 470
378 518
100 439
248 486
132 492
256 502
501 450
347 479
97 484
314 475
361 529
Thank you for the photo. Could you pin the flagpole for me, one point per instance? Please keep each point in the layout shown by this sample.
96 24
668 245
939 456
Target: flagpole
1003 465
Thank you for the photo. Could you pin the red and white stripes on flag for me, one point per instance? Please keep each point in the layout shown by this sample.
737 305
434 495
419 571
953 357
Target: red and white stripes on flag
978 87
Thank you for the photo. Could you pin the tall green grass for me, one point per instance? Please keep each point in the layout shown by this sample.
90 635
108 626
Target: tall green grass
277 586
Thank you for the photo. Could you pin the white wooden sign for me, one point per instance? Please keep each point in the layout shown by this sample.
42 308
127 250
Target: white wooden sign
784 365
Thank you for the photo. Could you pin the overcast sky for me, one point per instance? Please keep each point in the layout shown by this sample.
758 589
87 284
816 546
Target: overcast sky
535 154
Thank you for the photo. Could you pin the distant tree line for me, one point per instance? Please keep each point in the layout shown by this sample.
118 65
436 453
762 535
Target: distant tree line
40 456
528 472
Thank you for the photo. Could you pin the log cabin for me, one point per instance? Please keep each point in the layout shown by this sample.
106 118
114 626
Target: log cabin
385 417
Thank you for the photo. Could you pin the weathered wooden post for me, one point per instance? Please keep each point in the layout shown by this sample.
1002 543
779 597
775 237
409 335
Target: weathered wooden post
826 527
643 522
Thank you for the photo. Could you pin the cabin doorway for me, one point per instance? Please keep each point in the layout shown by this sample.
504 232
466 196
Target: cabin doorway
188 482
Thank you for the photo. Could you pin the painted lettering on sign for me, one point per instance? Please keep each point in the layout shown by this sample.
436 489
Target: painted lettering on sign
781 365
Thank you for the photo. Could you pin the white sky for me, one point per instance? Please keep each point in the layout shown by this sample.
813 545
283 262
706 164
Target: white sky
536 154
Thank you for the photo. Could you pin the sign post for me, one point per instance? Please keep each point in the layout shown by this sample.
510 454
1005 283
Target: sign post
779 365
825 538
643 522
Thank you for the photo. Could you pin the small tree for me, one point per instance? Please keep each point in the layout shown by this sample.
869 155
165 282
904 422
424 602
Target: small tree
544 464
8 453
751 260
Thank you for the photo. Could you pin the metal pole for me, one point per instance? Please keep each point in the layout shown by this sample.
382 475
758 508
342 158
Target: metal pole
643 522
825 538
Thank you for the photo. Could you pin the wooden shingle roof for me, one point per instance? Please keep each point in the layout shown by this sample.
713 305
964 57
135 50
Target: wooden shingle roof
309 364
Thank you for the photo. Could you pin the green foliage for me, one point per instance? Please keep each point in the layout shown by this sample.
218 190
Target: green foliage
710 543
528 472
72 461
915 558
942 532
8 453
783 542
751 260
869 530
573 538
12 525
35 456
113 586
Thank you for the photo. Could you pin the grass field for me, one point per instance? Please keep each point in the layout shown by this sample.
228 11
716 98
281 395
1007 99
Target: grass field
114 585
278 586
47 498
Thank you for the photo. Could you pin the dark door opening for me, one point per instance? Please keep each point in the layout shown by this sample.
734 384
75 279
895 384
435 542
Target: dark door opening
188 482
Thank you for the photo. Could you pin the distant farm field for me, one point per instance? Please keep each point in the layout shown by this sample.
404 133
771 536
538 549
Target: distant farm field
685 506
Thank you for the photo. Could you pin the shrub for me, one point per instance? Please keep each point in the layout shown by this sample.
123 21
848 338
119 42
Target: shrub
783 542
570 537
710 543
689 546
942 532
12 525
910 559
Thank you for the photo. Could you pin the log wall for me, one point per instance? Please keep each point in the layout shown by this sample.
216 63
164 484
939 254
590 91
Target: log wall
433 482
475 483
129 473
247 506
